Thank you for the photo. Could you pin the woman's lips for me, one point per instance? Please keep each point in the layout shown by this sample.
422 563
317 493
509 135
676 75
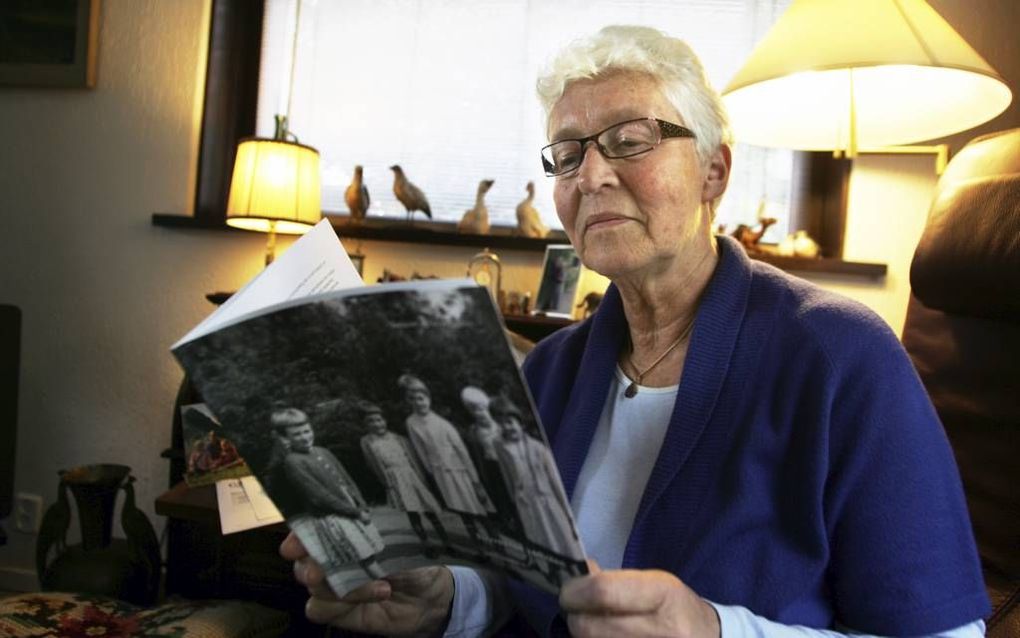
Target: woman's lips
598 222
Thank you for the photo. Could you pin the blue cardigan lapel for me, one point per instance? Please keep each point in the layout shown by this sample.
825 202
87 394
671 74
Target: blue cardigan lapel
713 342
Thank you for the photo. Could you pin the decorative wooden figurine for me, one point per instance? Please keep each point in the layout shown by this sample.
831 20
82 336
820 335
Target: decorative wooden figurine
804 246
356 197
486 269
476 220
529 222
408 194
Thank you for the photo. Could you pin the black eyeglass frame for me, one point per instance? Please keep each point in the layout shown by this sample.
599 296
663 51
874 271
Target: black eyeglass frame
667 130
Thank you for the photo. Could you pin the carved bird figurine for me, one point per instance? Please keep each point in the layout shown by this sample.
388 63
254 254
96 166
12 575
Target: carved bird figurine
804 246
53 532
750 238
476 220
529 222
409 195
356 196
144 542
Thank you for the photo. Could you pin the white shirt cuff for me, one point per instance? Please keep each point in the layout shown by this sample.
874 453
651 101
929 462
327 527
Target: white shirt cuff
473 610
740 622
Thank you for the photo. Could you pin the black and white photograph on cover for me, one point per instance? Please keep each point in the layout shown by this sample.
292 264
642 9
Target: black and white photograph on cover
367 416
561 272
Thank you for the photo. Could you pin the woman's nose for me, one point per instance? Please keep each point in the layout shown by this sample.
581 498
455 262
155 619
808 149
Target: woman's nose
595 170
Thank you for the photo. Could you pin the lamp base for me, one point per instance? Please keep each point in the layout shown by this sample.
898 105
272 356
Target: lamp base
271 244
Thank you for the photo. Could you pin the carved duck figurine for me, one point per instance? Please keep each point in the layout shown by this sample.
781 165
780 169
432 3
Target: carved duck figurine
529 222
476 220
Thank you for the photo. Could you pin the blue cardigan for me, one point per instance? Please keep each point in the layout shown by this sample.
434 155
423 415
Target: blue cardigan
804 473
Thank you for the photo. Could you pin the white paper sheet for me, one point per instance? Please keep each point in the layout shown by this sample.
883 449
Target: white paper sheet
320 265
260 502
237 510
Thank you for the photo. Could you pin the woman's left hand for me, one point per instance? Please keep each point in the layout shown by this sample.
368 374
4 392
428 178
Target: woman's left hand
635 603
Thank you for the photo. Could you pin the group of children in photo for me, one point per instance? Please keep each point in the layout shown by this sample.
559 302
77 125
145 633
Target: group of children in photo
498 479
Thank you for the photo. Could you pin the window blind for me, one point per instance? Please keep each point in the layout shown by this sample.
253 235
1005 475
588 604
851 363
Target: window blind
445 88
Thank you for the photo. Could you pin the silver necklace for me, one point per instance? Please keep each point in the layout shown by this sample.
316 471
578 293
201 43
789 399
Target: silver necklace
632 389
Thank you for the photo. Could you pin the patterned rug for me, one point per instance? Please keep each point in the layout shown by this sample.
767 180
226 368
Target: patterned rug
63 615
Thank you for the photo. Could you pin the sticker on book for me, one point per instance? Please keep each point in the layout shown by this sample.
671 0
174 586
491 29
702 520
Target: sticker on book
209 455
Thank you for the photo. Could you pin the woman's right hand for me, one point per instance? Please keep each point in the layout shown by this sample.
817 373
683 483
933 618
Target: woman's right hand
407 603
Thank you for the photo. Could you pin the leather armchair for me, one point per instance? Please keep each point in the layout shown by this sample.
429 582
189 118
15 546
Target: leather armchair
963 334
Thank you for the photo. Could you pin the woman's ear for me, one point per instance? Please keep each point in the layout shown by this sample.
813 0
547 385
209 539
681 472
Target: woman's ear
717 174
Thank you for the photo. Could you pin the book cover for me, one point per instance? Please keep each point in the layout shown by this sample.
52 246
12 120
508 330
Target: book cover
391 427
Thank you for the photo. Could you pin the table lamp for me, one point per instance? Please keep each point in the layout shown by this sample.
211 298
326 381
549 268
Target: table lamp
844 75
275 187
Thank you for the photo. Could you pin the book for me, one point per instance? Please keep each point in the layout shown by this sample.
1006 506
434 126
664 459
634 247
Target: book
389 424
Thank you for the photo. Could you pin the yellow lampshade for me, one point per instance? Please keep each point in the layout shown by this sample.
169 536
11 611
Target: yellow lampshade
275 187
848 74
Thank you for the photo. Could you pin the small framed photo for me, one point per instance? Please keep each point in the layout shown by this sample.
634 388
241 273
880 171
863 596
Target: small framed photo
49 44
561 273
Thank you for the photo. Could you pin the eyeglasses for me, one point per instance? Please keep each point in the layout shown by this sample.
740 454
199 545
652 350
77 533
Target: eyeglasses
625 139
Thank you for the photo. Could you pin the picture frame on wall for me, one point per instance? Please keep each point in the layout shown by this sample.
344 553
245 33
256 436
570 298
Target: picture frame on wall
561 273
49 43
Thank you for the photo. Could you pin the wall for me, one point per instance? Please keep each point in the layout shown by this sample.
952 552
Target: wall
887 207
104 293
521 270
990 27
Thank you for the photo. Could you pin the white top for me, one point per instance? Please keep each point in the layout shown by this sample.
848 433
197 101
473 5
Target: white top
616 470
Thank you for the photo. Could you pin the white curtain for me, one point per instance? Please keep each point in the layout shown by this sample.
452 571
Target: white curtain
445 88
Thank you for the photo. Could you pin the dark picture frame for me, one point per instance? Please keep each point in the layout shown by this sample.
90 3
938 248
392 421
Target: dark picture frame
49 43
561 274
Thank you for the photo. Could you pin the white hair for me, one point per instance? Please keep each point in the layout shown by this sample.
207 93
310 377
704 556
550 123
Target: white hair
668 61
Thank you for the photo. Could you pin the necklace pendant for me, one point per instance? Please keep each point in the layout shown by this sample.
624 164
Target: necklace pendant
631 390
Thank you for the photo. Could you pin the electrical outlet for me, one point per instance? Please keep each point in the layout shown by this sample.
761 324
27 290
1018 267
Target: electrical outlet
27 512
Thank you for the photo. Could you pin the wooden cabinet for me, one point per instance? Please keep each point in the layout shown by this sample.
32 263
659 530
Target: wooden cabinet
203 563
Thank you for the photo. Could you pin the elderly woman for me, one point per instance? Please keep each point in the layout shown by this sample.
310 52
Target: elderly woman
743 451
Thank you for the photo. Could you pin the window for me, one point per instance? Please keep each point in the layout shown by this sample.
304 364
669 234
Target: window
818 193
445 88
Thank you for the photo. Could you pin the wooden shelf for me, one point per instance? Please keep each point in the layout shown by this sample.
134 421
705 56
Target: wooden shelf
416 232
535 327
189 503
445 234
824 265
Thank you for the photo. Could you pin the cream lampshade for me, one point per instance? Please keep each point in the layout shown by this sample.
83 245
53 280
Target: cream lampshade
848 74
274 189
